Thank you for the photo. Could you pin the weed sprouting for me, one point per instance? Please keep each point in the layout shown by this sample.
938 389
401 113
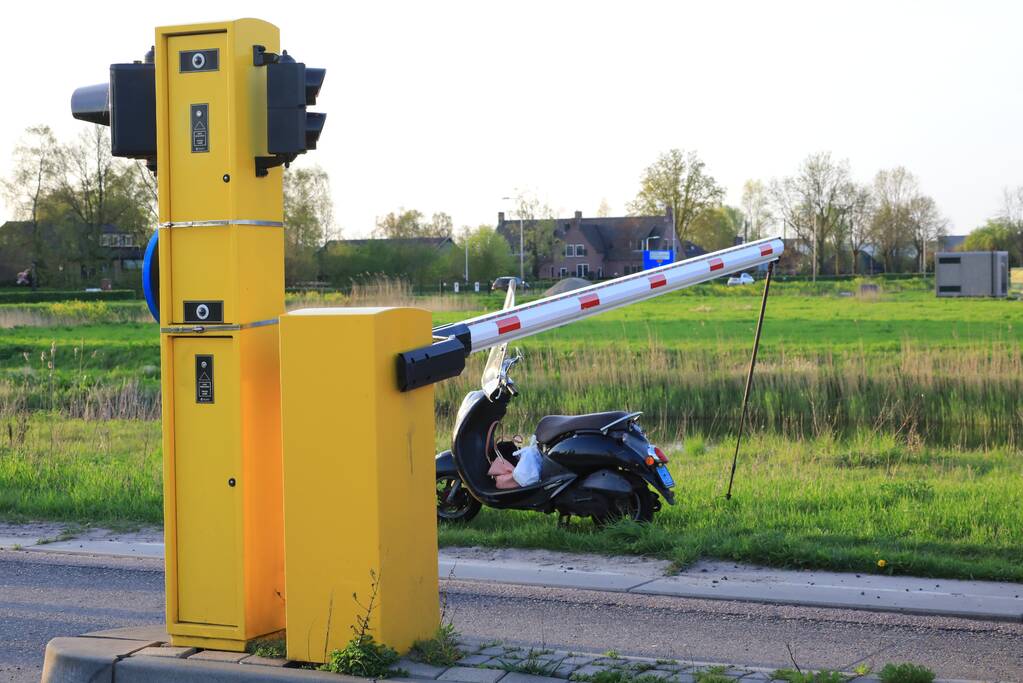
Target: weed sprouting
905 673
363 656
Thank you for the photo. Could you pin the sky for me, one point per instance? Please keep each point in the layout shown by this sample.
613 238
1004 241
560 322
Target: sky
451 106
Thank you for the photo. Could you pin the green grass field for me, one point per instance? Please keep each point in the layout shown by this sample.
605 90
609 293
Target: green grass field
886 427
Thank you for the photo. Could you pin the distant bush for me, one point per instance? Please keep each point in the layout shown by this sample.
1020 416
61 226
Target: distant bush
28 296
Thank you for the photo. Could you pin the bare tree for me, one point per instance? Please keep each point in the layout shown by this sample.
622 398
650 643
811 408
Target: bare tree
859 212
756 209
891 227
677 180
1011 213
927 226
604 210
30 182
812 203
94 189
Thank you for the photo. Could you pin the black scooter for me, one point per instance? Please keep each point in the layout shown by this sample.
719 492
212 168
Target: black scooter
599 465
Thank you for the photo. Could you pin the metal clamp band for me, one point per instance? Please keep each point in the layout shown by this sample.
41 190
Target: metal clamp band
220 223
201 329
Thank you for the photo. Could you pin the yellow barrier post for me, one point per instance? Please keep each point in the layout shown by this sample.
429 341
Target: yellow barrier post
359 491
221 290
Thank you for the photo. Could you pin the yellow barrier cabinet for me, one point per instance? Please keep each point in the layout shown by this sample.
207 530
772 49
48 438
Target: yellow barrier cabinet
359 491
221 252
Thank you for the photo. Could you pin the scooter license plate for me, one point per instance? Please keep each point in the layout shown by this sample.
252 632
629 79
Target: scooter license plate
665 476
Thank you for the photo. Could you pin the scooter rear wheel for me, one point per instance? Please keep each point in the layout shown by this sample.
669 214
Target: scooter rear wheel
639 506
454 502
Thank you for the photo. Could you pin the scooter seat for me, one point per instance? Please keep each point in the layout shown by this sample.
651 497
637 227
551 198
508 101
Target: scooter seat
553 426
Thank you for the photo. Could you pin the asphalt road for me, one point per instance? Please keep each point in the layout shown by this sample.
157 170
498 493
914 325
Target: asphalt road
47 595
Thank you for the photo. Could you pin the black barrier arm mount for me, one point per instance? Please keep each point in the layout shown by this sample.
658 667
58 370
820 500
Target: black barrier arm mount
443 359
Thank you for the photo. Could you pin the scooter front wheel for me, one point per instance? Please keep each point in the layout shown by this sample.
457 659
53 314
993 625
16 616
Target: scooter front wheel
454 502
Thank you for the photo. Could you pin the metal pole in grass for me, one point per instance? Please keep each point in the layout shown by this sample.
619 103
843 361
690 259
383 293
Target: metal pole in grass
749 376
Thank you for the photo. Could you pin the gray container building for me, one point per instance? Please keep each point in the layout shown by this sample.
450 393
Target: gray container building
971 273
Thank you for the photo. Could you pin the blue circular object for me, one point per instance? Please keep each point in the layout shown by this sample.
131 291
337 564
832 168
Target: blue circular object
151 275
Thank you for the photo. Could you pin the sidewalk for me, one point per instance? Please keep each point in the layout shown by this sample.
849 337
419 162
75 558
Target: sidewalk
141 654
987 600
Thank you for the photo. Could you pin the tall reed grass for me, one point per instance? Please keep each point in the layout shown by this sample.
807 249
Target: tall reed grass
966 397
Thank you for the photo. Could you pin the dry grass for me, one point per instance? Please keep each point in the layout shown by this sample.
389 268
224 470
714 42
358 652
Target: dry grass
383 291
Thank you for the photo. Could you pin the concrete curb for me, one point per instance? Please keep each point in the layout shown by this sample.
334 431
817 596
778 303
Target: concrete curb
707 580
96 658
70 660
986 600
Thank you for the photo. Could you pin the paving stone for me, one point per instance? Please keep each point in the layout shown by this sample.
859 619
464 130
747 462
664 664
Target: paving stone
474 660
264 661
219 656
166 651
565 670
579 660
591 669
419 669
493 650
515 677
465 674
156 632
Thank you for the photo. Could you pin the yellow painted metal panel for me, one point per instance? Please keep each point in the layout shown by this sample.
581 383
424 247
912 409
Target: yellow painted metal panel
207 457
192 185
358 479
261 474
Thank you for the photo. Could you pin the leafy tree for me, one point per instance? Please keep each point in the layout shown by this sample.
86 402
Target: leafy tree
717 227
539 240
489 254
409 223
30 182
678 180
308 219
604 210
995 235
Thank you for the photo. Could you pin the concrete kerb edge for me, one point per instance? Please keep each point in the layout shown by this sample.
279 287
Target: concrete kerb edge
97 659
71 660
976 615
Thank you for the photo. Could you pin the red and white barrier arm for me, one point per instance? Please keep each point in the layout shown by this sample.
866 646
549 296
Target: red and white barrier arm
431 364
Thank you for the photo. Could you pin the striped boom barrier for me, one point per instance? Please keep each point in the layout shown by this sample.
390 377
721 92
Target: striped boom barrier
446 357
561 309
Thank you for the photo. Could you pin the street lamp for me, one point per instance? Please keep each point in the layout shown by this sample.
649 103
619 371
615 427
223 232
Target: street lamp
522 262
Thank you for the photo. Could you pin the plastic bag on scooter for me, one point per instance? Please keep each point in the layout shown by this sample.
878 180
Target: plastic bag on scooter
527 471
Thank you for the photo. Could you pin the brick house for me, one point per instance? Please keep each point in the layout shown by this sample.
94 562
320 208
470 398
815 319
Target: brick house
598 248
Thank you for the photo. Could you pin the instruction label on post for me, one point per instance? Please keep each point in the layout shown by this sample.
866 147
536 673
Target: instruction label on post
204 379
200 124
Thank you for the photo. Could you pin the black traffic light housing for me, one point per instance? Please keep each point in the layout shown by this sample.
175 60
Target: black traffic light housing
290 88
126 103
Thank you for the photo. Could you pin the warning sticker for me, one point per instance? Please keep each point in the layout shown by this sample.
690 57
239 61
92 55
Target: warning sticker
200 126
204 379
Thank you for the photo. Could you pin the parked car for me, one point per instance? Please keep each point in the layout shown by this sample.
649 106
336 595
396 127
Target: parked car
501 283
744 279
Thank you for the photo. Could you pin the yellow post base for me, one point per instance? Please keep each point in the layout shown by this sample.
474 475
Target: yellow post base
359 480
